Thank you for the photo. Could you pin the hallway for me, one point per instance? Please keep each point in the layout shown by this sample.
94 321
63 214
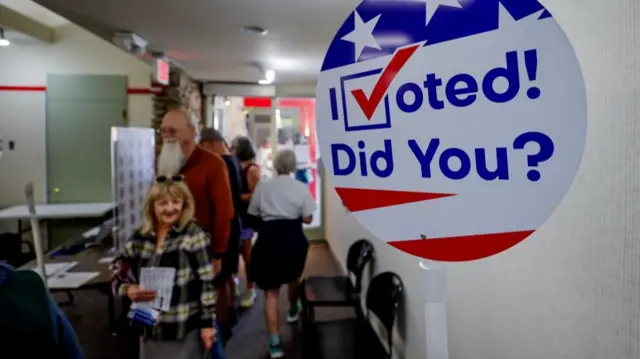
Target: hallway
249 334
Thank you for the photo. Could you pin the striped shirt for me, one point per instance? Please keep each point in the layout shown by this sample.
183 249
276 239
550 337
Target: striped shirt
194 297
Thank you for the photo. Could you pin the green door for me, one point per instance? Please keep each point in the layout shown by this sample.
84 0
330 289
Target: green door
81 109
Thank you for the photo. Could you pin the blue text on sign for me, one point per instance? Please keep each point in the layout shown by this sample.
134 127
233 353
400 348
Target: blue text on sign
380 162
462 90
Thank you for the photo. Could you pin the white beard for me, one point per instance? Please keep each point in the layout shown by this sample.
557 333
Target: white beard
170 160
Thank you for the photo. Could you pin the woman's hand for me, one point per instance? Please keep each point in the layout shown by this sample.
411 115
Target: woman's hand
137 294
208 336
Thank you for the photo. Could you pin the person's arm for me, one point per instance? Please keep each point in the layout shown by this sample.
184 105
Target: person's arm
222 201
68 345
124 268
200 249
308 206
254 210
253 177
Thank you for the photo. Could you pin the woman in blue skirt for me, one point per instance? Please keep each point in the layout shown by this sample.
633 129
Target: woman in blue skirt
281 205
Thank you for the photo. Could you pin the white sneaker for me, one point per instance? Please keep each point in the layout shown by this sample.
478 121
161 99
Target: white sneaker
248 299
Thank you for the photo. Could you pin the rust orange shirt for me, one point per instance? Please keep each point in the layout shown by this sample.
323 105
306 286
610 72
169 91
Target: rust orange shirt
206 176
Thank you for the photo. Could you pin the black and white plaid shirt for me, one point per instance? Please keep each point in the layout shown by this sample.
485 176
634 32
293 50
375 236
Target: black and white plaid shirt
194 296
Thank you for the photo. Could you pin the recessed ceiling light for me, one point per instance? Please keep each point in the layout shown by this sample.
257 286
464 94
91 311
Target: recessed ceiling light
256 30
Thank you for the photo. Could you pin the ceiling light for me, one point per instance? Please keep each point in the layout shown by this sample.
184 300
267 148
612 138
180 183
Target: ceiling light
269 76
256 30
3 41
227 103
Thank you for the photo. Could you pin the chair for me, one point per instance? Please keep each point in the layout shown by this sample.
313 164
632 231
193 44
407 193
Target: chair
337 291
11 249
356 338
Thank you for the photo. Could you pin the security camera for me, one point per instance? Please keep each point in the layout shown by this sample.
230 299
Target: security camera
130 42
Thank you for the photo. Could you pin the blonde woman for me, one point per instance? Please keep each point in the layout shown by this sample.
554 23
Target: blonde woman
170 238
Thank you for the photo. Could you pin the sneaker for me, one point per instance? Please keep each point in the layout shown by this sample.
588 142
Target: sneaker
275 351
275 348
294 313
248 299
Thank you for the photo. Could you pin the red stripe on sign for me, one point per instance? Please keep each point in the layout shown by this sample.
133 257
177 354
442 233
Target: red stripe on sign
130 91
462 248
358 199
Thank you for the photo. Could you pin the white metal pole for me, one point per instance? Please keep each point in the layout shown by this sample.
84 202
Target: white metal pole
435 309
35 230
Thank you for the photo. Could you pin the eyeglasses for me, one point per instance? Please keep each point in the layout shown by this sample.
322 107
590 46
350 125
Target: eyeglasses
163 179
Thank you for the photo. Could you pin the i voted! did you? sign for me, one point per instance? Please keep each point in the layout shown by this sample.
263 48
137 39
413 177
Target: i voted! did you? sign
451 129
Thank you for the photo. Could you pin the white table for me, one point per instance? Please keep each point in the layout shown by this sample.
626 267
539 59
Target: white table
56 211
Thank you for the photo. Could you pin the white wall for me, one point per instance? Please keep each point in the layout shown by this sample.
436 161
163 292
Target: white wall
22 114
571 291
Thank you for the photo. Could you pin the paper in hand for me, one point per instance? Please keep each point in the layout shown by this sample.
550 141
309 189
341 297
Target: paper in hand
160 279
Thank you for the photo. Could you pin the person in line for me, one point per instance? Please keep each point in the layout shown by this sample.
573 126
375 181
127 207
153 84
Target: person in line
205 174
243 149
213 141
282 205
31 323
170 238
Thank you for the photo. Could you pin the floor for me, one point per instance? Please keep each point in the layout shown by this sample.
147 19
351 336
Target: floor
89 317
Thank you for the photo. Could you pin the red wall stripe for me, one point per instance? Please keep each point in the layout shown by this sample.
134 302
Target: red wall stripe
23 88
130 91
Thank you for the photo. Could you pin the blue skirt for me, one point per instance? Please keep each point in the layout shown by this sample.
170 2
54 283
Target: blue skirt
279 254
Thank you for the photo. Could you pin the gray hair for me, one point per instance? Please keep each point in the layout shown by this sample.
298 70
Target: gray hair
284 162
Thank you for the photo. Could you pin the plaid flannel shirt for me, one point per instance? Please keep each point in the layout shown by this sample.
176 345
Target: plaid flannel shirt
194 296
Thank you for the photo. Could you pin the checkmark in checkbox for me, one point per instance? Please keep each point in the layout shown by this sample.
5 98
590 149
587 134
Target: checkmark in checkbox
354 119
362 112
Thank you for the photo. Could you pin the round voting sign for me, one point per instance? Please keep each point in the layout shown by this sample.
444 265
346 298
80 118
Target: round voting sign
451 129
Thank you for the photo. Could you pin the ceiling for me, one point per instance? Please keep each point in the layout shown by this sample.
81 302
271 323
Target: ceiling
36 12
205 37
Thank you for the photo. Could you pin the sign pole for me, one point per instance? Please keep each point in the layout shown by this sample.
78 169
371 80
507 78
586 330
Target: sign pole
435 309
35 230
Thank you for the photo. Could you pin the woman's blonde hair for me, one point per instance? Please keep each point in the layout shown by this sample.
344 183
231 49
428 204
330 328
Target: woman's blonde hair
175 190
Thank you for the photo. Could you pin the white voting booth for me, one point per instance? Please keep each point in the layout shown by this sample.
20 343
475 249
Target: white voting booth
133 171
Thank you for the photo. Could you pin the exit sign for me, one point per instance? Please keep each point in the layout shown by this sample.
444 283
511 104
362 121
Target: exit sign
161 69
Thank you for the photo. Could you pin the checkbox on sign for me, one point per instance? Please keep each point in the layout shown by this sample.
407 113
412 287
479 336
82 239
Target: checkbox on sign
352 107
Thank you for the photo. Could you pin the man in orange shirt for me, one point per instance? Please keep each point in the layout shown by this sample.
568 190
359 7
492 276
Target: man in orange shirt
206 175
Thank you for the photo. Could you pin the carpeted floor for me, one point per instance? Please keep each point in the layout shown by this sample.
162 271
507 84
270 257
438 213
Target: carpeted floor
89 317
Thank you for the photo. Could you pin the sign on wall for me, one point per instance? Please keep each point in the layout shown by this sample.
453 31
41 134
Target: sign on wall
161 71
451 129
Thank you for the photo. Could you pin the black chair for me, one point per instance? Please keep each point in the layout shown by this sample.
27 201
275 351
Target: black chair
337 291
356 338
11 249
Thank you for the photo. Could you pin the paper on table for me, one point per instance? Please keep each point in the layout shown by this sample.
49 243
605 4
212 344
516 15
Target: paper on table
56 268
70 279
160 279
106 260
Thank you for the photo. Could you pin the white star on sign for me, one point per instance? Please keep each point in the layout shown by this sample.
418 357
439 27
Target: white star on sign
362 34
433 5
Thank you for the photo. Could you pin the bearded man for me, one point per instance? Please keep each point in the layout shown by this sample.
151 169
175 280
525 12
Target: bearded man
206 176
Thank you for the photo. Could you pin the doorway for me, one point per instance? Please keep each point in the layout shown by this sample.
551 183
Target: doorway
81 109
